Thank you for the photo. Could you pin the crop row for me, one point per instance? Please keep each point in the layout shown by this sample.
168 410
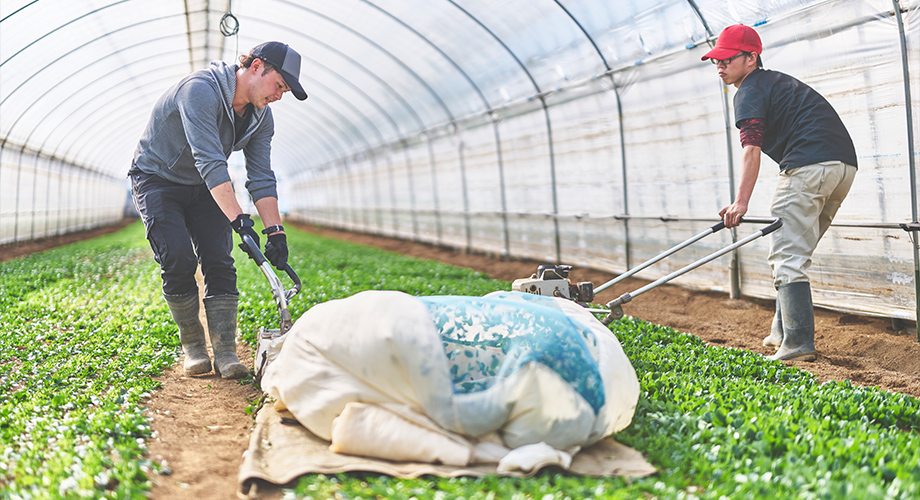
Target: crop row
83 330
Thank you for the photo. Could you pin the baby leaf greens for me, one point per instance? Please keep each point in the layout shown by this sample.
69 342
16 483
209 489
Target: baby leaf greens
83 329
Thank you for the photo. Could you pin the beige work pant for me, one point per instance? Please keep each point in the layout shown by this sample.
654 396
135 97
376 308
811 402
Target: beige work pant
806 198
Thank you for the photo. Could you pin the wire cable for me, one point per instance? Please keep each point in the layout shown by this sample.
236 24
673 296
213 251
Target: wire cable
230 26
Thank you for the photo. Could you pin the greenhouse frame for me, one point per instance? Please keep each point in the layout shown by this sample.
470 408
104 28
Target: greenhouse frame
583 132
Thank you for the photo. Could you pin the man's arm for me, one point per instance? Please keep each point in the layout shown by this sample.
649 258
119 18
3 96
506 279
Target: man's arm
276 249
226 199
750 168
268 211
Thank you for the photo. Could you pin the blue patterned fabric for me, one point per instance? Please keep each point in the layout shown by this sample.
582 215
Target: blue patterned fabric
488 338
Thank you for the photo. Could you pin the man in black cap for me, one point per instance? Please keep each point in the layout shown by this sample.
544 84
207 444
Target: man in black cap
181 187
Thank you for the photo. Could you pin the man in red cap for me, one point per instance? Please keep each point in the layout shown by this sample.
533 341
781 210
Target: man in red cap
799 130
181 188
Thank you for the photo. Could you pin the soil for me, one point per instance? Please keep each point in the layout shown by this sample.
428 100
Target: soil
202 427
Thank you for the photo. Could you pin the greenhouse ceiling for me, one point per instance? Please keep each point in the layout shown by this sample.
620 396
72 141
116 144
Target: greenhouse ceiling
78 78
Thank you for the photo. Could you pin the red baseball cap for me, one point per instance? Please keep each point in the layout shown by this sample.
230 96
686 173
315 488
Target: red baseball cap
733 39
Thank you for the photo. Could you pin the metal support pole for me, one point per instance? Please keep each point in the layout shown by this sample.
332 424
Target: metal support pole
412 211
434 189
394 213
910 160
466 198
625 183
377 204
501 185
552 173
735 264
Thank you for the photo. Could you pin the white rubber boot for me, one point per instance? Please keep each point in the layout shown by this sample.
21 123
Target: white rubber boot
798 323
221 311
184 310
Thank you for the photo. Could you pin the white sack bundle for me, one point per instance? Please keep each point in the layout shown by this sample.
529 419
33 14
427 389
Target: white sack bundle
526 368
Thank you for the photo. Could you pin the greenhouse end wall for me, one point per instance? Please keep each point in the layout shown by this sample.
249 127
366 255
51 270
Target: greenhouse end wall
41 197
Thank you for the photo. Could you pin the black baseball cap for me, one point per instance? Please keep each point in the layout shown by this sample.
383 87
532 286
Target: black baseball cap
286 60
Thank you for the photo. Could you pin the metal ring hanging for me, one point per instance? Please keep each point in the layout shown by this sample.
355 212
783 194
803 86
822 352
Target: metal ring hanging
229 25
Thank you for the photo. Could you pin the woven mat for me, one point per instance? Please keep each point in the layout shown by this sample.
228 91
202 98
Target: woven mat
281 450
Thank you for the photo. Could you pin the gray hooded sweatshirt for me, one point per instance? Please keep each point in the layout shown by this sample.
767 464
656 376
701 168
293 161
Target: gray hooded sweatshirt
191 132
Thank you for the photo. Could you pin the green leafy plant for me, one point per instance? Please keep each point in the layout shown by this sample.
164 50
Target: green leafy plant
79 343
83 331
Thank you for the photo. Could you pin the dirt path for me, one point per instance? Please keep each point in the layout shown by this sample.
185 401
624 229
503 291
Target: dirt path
202 428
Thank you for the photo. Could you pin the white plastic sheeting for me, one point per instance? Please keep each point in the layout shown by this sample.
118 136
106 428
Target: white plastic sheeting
608 157
581 131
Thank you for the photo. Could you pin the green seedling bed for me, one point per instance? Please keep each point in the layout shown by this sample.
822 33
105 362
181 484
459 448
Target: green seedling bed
83 331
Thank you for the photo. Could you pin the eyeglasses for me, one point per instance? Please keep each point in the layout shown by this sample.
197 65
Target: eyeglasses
730 59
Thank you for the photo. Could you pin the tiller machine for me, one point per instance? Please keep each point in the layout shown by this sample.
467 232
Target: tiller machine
553 280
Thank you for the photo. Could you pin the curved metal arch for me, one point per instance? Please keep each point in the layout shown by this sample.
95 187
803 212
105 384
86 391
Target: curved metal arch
437 97
498 39
549 135
109 55
488 109
108 119
355 109
38 125
584 32
434 46
450 60
364 69
702 18
332 123
17 11
348 83
41 149
25 111
321 136
619 99
103 116
84 126
346 152
68 23
81 89
70 52
295 156
735 270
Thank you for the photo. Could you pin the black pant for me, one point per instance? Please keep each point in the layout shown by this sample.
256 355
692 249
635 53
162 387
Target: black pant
185 227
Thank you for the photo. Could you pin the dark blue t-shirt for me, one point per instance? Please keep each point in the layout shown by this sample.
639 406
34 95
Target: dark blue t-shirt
801 126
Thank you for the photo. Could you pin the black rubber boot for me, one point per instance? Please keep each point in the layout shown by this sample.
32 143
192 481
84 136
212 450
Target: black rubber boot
776 330
798 316
184 310
222 312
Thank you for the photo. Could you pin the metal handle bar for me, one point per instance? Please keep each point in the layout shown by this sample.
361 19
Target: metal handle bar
273 280
662 255
615 306
680 246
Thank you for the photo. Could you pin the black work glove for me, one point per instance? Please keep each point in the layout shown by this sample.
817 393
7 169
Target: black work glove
243 225
276 250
